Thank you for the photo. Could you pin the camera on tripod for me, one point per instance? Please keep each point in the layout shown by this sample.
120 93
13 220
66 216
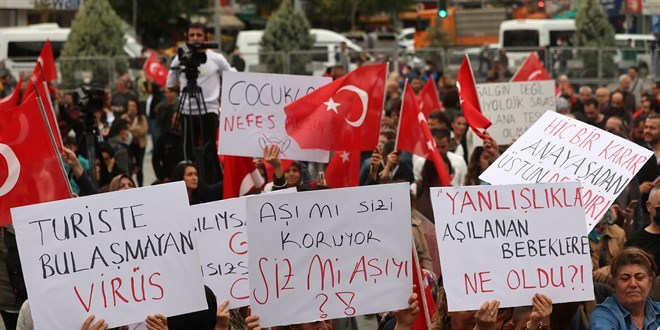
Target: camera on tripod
89 99
189 55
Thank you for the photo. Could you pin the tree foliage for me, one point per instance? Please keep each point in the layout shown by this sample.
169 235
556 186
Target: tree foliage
95 32
287 29
593 30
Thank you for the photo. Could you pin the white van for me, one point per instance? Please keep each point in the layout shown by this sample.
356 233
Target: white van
323 55
642 44
21 46
520 37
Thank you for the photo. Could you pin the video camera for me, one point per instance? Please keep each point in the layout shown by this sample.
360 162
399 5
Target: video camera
190 57
89 99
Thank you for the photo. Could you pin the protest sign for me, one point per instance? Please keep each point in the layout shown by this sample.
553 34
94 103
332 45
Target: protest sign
222 242
514 241
120 255
513 107
329 253
253 117
559 148
223 248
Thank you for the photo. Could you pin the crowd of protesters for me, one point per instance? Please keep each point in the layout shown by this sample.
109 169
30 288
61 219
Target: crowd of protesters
625 245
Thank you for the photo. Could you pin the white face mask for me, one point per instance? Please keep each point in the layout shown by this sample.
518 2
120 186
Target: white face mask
129 139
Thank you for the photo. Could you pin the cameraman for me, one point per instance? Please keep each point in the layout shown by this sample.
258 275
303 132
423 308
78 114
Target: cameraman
210 73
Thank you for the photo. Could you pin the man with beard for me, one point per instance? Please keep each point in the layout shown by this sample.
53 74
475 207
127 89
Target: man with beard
617 108
648 239
649 175
592 114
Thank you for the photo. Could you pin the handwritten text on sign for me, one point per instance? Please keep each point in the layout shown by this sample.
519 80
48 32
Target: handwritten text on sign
329 254
253 117
519 239
558 148
222 240
513 107
121 256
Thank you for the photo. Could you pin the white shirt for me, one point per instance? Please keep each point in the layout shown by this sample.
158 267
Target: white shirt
457 164
209 79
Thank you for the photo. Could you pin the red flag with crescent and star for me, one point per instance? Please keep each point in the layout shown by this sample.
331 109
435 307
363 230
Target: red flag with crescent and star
531 70
415 136
31 171
470 101
429 100
155 70
342 115
343 170
44 69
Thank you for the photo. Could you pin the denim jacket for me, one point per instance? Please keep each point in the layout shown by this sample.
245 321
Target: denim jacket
612 315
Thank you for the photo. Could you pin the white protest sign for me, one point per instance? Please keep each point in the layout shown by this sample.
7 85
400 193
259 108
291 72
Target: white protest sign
329 253
513 107
253 117
514 241
559 148
223 248
222 241
120 256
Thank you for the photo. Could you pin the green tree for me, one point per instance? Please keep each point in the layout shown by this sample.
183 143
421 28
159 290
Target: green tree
95 32
153 14
594 31
287 29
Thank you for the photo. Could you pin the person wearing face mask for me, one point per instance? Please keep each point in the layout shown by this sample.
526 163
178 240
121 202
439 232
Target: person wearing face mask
648 239
120 138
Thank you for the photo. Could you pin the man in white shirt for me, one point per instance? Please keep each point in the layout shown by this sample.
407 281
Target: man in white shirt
457 163
201 122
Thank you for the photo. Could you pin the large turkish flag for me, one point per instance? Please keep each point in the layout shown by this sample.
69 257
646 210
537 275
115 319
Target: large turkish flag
30 168
342 115
155 70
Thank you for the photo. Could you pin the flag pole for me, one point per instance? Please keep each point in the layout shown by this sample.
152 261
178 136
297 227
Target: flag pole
398 126
52 138
420 280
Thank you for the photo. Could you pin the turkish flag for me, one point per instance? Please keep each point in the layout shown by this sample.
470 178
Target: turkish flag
11 101
415 136
49 113
531 70
47 61
425 298
470 101
37 77
342 115
31 171
241 176
429 100
343 170
155 70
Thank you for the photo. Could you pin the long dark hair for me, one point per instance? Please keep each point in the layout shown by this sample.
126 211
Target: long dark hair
178 173
474 168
